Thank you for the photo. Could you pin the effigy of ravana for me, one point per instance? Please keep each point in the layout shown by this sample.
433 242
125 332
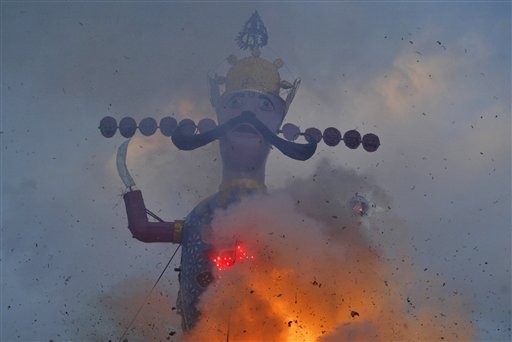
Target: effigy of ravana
251 102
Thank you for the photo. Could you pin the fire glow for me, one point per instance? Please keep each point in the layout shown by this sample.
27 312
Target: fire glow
315 280
227 258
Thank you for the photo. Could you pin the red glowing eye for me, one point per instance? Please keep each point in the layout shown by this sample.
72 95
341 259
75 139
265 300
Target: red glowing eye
226 258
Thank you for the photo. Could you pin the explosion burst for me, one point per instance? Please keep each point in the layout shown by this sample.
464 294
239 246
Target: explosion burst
313 279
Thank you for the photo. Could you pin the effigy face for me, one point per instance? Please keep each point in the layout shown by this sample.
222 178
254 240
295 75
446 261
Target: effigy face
268 108
244 147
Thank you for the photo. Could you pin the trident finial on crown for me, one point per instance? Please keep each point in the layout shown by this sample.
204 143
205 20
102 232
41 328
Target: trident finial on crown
253 72
254 34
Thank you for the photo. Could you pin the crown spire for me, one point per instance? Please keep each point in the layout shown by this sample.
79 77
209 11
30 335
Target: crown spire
253 72
254 33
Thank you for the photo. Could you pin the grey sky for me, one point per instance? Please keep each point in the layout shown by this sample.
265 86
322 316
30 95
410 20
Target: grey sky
431 79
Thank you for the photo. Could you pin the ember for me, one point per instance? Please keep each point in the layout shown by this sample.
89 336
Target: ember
227 258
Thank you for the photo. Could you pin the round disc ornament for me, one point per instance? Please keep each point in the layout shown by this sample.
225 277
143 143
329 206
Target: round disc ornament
168 125
148 126
108 126
371 142
332 136
290 132
313 134
352 139
127 127
187 127
206 125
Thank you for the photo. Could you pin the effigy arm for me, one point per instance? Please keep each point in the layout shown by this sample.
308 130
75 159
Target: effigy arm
146 231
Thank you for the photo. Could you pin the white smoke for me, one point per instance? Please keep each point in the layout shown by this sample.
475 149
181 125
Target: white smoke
320 271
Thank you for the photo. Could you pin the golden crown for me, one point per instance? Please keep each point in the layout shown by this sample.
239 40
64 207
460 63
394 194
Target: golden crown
253 72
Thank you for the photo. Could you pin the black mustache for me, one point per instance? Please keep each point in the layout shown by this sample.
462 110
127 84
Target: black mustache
291 149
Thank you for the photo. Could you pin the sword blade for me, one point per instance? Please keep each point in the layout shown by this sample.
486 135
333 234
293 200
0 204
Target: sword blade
121 165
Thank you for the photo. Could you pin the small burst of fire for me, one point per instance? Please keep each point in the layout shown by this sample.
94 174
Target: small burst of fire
359 210
227 258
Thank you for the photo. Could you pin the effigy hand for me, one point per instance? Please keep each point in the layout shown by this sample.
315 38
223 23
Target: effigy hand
146 231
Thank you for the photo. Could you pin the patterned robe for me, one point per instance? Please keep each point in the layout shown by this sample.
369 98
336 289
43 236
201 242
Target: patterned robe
196 267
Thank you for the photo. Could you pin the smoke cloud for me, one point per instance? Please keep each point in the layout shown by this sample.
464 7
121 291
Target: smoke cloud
316 271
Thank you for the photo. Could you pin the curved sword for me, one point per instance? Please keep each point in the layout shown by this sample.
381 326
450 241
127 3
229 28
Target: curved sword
121 165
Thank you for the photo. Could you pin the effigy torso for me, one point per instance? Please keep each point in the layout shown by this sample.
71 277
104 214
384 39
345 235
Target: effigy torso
196 265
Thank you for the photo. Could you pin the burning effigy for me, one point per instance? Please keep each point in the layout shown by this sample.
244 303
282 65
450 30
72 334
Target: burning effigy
298 264
305 266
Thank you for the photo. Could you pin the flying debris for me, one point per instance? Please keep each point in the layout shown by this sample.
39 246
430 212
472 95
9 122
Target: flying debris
359 205
440 44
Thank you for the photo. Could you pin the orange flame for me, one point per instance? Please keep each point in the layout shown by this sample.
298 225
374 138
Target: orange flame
312 281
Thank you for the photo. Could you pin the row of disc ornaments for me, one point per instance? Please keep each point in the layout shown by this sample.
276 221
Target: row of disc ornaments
168 125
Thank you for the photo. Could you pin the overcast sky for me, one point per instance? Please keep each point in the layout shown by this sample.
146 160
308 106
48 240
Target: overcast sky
431 79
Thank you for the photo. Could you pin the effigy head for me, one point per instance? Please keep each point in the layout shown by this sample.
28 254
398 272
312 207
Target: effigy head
252 73
244 146
266 107
255 73
250 101
253 86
